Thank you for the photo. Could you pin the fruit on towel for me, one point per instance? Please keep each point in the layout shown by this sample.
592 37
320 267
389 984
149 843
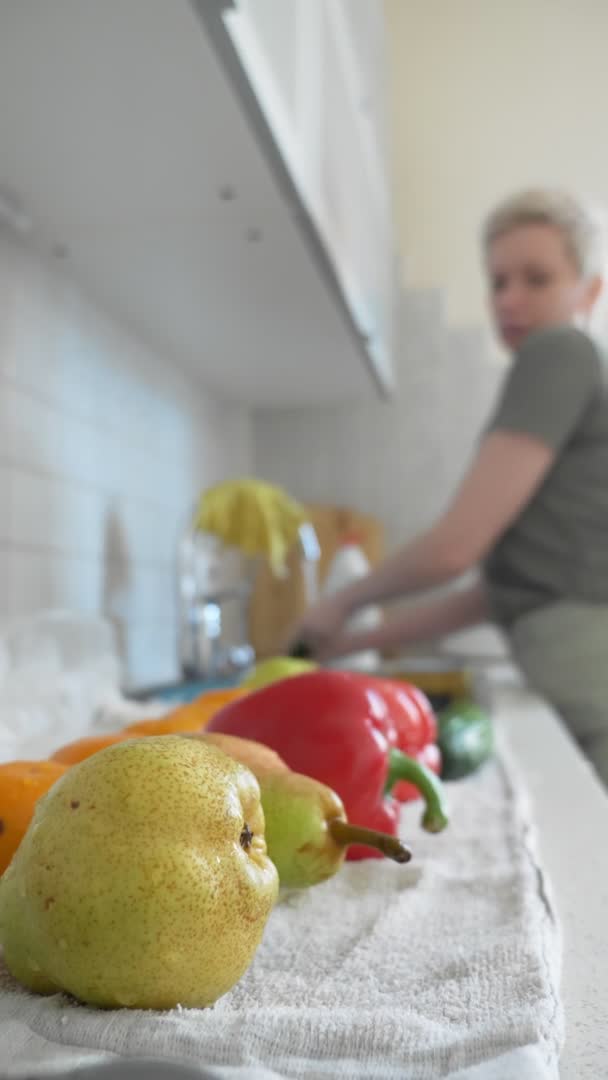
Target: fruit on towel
22 783
307 832
76 751
338 730
275 668
466 738
143 879
193 716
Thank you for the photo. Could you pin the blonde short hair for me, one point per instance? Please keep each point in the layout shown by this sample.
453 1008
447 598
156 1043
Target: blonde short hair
581 226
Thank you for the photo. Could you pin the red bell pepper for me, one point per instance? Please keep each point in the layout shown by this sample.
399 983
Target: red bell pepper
414 723
338 730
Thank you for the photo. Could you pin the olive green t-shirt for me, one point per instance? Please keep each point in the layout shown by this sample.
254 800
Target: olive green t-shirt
557 549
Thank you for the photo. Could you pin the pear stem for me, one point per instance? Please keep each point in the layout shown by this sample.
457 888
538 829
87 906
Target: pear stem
344 834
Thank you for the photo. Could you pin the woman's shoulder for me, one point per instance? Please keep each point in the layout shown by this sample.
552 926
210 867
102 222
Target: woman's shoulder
567 342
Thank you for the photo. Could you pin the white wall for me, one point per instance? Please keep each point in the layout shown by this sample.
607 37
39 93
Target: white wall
104 445
399 459
488 97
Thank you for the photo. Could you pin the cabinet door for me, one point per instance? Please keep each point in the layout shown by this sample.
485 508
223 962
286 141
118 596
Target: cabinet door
318 69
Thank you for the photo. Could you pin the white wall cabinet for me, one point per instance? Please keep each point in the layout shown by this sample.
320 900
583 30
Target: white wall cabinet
318 70
208 173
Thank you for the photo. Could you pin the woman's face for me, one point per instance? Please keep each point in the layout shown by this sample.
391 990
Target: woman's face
534 282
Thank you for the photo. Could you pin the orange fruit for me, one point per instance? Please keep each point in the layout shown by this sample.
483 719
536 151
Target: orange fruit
190 717
256 756
22 783
76 751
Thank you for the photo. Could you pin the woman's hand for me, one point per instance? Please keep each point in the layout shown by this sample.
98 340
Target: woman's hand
319 626
417 624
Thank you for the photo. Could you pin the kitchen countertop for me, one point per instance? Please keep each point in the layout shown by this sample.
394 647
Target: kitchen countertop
28 1034
571 811
570 807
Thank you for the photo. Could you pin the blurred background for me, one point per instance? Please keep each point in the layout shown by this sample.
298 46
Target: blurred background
240 239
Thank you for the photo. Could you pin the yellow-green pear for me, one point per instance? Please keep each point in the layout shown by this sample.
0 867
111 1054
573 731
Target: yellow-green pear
143 880
307 832
274 669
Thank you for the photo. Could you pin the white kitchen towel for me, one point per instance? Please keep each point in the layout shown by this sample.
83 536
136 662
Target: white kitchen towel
448 966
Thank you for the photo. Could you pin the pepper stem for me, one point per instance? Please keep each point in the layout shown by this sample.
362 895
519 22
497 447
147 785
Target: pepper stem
402 767
344 834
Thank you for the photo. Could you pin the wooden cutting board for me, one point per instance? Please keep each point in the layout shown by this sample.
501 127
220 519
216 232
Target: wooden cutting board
277 603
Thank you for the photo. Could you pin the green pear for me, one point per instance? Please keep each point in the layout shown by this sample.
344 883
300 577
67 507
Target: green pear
274 669
307 832
143 880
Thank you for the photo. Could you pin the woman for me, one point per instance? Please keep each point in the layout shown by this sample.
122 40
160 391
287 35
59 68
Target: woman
532 511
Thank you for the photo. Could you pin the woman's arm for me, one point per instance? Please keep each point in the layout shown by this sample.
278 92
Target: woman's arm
420 623
507 470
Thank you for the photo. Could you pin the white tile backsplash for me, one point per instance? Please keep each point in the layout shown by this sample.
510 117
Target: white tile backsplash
104 446
51 512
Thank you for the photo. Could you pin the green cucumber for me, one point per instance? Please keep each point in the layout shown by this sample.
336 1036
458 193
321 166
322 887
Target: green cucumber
466 738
